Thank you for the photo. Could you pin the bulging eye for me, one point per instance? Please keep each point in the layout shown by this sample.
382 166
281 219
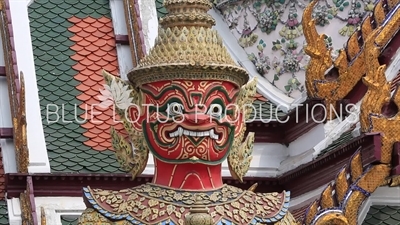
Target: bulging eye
175 108
215 110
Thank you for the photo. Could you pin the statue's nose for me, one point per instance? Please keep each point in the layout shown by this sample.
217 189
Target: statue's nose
197 118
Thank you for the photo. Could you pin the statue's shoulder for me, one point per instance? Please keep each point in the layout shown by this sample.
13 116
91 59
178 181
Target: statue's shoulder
152 204
91 216
264 207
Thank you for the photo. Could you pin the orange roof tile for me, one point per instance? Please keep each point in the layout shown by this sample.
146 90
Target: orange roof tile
95 58
77 48
86 72
101 62
260 97
101 53
82 24
74 19
83 98
91 48
77 57
79 67
98 34
96 68
84 43
75 38
96 50
105 29
83 34
103 20
86 62
75 29
90 20
97 24
84 52
82 87
92 38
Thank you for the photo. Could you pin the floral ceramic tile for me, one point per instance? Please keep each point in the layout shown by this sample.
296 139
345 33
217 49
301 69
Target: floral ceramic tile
271 33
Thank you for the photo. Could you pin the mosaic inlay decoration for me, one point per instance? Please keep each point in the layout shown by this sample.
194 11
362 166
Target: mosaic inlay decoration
271 33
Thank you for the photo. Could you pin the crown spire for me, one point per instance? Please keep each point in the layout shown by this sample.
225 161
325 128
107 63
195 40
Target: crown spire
187 13
187 48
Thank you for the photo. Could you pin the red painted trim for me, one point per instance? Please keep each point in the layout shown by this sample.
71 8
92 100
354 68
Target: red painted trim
140 28
122 39
321 171
396 159
6 133
289 127
31 197
387 55
11 32
2 71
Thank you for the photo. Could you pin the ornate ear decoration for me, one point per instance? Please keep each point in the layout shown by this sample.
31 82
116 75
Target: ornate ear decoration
246 97
132 154
240 156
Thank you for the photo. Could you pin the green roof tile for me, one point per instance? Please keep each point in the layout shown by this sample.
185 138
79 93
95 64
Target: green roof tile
55 77
344 138
161 10
3 213
265 111
69 220
383 215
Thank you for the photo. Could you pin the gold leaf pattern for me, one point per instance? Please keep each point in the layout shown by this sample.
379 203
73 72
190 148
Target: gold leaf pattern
152 203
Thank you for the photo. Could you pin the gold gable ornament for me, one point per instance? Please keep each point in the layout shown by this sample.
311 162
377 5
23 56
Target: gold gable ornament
350 63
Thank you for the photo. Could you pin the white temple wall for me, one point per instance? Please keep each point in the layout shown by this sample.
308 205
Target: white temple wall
14 211
38 158
123 51
55 207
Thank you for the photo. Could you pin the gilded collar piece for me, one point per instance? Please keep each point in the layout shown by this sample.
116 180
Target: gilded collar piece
153 204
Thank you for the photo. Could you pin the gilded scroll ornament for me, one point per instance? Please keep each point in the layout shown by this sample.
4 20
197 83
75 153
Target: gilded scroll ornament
135 33
43 220
394 181
17 101
19 122
341 206
152 204
372 119
26 207
350 64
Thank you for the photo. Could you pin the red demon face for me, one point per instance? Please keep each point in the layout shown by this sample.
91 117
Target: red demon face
189 121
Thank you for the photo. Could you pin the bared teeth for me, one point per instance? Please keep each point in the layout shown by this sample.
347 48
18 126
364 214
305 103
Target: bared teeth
181 131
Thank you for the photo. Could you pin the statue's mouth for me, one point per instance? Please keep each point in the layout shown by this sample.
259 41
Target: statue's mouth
190 133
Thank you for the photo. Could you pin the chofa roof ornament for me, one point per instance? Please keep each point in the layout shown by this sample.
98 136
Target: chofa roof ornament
186 41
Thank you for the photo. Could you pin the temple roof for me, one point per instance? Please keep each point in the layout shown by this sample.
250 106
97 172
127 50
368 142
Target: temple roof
71 47
69 220
3 213
72 42
383 215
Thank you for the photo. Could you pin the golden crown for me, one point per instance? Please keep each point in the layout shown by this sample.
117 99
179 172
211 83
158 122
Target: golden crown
187 48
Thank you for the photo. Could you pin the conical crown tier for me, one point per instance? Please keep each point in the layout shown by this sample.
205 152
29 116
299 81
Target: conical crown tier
187 48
